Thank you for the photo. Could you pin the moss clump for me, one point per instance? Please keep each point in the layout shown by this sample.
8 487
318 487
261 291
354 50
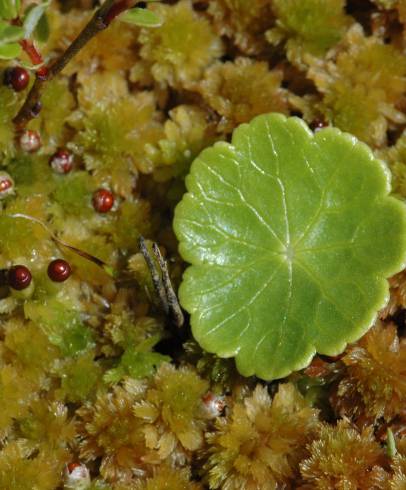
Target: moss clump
182 47
262 441
241 90
310 26
330 464
244 23
98 391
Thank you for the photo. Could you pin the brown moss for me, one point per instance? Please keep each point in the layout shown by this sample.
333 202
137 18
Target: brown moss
243 22
173 413
342 457
374 385
240 90
261 442
182 47
112 432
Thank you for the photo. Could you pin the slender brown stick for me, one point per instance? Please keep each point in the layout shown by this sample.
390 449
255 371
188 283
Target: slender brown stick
59 242
162 283
155 276
100 21
172 300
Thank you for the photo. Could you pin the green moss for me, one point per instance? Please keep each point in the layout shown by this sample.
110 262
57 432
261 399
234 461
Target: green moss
8 104
61 325
57 105
74 193
312 25
82 377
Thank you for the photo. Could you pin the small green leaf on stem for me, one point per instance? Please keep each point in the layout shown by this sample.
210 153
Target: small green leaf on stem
9 33
390 444
42 30
9 9
32 18
141 17
9 51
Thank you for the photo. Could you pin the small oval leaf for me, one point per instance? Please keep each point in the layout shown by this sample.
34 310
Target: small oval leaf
32 17
291 237
9 51
42 29
10 33
141 17
9 9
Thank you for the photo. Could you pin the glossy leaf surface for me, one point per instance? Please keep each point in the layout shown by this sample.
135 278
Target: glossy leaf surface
291 237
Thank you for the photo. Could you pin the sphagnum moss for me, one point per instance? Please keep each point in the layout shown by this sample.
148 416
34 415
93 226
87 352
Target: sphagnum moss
87 397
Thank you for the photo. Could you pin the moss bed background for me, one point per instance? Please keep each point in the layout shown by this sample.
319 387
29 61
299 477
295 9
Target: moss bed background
97 390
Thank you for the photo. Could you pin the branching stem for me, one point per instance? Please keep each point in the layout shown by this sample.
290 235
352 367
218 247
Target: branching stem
102 18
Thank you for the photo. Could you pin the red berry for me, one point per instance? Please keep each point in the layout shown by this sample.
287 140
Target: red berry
214 404
77 476
103 200
6 185
19 277
17 78
30 141
318 124
42 72
62 161
72 466
59 270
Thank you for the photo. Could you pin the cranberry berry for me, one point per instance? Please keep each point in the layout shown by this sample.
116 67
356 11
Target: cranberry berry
77 476
103 200
6 185
19 277
62 161
17 78
71 467
30 141
59 270
318 124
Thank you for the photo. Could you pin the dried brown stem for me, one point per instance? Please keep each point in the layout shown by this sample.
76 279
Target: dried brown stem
162 283
173 304
102 18
59 242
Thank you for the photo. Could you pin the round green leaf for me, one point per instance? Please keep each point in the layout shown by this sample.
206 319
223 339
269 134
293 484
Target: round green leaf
291 237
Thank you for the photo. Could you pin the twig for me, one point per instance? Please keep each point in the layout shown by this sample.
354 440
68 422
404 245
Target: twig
155 276
109 10
60 243
172 299
34 55
162 283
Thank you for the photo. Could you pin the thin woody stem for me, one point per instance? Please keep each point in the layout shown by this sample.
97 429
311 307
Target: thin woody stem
162 283
100 21
172 300
155 276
